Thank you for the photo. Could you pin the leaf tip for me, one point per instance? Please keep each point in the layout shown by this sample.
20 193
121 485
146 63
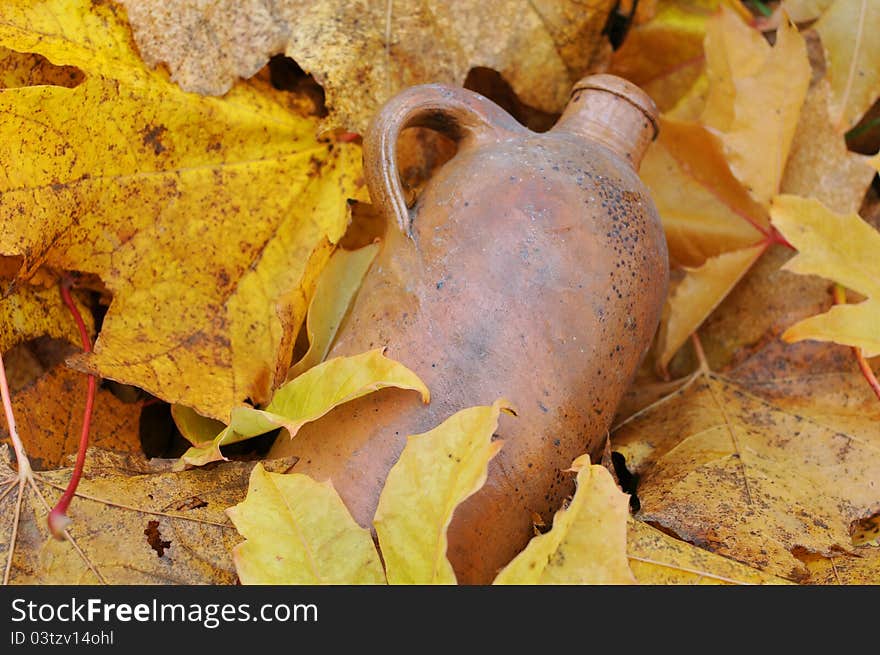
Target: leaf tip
580 463
505 406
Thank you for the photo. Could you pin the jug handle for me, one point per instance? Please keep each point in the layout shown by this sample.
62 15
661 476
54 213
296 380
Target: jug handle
458 113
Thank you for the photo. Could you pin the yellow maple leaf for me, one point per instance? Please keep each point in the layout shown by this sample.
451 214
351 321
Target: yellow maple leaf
28 311
207 218
722 155
587 543
664 54
709 172
754 98
840 247
320 542
704 208
298 531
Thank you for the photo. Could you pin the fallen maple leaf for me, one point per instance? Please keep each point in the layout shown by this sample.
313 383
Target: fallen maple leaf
587 543
134 523
656 558
710 177
208 219
362 53
298 531
307 398
819 164
841 247
861 567
435 473
705 210
664 54
849 29
742 477
754 98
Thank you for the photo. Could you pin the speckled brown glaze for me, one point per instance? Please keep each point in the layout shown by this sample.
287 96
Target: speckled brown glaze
533 267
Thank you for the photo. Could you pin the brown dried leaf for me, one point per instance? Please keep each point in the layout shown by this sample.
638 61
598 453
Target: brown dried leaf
749 479
862 567
759 309
705 210
819 164
849 31
364 52
133 523
49 416
699 293
656 558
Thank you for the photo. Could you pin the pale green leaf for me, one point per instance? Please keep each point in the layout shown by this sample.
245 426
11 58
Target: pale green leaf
314 393
309 396
337 286
194 427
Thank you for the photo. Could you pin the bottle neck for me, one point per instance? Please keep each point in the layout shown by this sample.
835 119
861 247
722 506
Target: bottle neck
613 112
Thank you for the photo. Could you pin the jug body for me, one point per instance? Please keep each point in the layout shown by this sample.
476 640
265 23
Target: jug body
533 267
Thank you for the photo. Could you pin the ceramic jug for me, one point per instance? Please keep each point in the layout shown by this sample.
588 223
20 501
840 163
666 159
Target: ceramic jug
532 267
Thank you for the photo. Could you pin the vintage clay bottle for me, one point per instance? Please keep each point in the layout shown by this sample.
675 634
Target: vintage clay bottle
532 267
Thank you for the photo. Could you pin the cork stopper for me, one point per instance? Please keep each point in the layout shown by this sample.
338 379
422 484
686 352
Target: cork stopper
614 112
